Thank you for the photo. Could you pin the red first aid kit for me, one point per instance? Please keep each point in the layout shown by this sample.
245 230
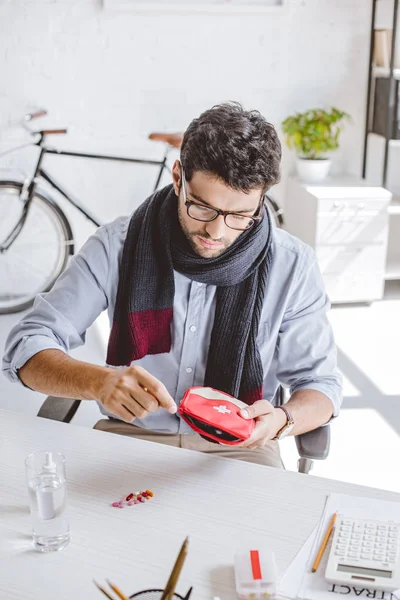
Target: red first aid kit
215 415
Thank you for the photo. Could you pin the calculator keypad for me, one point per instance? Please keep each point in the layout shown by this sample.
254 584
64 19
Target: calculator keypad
367 540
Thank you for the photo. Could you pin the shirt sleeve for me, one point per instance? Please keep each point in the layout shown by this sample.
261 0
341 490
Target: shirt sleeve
307 356
59 318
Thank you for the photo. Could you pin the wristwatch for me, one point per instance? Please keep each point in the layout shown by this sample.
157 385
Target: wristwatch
288 427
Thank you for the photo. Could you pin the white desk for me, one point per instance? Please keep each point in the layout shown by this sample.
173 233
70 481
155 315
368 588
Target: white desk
220 503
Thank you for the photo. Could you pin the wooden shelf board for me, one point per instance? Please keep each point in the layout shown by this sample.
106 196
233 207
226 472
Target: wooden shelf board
393 270
394 206
385 71
393 143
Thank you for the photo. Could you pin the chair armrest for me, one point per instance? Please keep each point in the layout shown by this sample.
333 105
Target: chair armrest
314 444
58 409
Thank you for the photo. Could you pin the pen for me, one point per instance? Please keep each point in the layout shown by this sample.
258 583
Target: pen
172 581
324 544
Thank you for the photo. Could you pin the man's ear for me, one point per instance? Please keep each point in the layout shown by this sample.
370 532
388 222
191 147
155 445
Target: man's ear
176 176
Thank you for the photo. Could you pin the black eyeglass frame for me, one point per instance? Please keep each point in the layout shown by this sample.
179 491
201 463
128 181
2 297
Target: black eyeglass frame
256 218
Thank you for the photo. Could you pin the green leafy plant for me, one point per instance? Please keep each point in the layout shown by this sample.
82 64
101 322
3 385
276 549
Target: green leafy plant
315 132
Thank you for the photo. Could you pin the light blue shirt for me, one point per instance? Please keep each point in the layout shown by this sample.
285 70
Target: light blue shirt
295 338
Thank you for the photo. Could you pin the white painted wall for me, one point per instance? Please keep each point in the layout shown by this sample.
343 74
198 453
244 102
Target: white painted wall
112 78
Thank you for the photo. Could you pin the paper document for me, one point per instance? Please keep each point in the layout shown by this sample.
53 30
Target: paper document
292 578
299 582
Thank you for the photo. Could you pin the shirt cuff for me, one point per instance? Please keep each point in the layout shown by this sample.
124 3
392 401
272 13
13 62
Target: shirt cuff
28 347
332 392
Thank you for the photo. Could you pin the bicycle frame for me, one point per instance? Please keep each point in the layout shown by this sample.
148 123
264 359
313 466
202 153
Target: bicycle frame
30 184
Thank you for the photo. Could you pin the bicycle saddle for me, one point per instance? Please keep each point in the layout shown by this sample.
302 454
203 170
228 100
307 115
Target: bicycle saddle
173 139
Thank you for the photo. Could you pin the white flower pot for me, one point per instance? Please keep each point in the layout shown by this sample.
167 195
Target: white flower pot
313 170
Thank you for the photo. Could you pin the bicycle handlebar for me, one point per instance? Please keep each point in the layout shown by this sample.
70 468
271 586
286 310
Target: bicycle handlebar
52 131
35 115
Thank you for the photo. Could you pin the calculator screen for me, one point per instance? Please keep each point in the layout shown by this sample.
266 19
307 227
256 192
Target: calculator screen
364 571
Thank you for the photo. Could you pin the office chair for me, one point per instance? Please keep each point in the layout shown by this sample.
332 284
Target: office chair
311 446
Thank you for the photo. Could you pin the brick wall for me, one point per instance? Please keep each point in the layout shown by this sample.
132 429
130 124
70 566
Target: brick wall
112 77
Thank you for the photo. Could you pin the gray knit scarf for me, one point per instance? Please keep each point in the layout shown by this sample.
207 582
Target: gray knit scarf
154 247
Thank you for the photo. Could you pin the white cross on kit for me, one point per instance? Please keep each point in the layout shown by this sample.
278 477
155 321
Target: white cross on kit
222 409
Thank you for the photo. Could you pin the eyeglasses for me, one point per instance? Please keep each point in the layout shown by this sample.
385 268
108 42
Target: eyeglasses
233 220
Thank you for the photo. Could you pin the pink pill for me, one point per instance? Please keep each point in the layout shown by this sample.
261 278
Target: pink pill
116 504
136 501
130 503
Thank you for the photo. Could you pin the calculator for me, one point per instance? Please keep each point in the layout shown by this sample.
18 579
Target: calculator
365 552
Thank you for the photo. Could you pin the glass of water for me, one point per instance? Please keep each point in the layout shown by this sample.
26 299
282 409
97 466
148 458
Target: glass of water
47 488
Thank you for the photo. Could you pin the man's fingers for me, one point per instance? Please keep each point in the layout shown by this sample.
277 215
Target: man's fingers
260 432
259 408
146 400
156 389
125 407
123 413
135 393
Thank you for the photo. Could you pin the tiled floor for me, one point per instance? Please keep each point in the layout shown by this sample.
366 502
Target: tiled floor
365 444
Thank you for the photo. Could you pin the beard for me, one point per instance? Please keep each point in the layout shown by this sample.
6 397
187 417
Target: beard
195 245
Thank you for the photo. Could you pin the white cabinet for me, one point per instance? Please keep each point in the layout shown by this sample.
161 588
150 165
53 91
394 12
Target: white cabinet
345 220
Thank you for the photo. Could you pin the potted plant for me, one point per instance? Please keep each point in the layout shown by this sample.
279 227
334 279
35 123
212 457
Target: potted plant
313 134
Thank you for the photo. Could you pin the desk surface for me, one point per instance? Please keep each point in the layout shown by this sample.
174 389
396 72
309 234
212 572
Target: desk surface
222 504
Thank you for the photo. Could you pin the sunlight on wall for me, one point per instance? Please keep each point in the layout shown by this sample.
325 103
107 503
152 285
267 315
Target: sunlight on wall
364 450
375 332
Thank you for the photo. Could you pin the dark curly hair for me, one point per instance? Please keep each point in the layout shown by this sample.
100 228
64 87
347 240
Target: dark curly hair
239 147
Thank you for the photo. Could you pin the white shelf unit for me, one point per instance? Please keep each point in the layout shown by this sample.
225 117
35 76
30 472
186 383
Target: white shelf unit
345 219
394 207
385 72
374 168
392 271
382 156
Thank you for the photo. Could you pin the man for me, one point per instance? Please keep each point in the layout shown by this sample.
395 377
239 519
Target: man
200 289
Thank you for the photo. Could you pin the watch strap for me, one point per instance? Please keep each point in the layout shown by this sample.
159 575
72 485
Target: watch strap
288 415
289 422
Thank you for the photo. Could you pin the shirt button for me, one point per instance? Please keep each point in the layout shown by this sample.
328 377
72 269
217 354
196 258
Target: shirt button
189 369
193 328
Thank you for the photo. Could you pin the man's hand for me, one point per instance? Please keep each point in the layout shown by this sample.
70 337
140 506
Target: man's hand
269 421
133 392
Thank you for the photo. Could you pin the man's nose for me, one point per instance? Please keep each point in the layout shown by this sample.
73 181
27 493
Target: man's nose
216 228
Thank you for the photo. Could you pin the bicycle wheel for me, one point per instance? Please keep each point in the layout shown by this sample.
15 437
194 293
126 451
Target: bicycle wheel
275 210
40 252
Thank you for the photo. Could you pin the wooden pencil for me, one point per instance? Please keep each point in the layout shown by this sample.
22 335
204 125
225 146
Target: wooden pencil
324 544
103 590
169 590
117 591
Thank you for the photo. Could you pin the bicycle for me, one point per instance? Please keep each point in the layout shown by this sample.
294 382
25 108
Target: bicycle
36 237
